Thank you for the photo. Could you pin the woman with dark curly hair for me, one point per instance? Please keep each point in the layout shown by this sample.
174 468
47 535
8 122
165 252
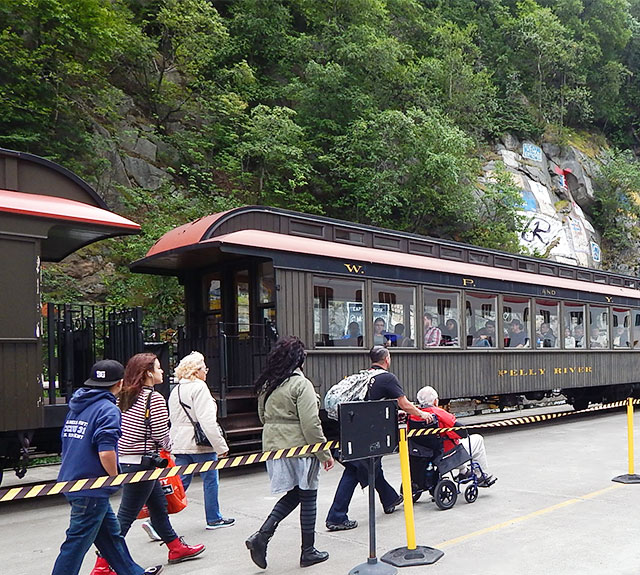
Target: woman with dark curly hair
288 408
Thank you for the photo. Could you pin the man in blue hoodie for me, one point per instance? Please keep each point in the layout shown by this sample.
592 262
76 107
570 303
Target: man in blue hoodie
89 449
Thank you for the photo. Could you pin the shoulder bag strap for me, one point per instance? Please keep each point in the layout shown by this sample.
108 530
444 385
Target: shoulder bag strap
184 407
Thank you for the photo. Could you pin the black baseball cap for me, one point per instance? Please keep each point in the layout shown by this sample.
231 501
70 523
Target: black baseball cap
105 373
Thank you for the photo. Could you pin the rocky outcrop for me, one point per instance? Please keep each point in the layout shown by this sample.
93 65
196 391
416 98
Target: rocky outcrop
557 189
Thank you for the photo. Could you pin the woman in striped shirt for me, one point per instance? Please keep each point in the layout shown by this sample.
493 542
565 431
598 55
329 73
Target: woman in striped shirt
140 437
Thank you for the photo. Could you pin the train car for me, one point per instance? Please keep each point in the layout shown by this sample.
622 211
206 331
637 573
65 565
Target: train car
471 322
46 213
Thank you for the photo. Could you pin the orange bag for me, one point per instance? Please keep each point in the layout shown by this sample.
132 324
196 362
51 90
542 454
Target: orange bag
173 491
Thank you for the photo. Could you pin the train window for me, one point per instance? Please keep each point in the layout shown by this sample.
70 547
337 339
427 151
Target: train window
393 315
621 328
243 306
547 324
598 327
441 318
349 236
213 290
516 316
635 315
573 325
337 312
480 311
267 283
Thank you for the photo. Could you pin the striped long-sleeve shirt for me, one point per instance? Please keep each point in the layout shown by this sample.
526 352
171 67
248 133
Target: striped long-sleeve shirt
131 445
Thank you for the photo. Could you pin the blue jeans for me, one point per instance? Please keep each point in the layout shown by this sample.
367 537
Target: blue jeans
353 474
209 482
94 522
135 495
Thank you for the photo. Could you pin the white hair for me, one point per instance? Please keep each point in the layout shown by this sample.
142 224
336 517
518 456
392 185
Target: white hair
427 396
190 365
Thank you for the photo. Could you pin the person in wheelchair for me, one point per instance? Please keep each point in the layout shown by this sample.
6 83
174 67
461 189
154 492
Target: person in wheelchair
428 401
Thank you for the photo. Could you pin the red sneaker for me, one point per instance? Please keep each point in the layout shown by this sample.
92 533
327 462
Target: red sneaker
102 567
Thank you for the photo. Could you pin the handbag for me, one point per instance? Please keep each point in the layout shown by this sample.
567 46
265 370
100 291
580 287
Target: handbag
173 491
199 435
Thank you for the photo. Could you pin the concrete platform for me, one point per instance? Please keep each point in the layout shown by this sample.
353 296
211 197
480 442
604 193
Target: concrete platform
553 510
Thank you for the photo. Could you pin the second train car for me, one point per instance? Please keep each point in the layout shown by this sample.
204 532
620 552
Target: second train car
471 322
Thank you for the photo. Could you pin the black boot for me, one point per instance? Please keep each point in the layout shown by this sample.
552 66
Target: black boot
257 543
310 555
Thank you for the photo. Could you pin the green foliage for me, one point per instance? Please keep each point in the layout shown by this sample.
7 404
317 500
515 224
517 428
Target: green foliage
617 207
410 171
499 220
369 110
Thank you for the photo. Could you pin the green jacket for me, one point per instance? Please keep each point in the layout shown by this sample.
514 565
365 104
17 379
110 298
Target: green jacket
290 416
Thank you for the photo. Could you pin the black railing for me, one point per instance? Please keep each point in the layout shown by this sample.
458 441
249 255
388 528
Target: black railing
235 357
75 336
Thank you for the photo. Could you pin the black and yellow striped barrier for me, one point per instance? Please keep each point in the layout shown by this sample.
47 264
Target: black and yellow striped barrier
56 488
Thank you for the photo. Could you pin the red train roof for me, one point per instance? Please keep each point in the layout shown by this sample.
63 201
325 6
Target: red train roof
52 207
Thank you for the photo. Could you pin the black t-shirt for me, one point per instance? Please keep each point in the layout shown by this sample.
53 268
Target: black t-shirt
384 386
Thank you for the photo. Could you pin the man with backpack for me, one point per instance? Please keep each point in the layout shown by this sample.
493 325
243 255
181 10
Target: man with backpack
382 385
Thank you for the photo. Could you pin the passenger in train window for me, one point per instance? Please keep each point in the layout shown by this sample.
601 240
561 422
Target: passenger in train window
517 336
432 334
621 337
486 336
598 339
400 339
569 340
450 333
379 338
353 337
546 337
578 334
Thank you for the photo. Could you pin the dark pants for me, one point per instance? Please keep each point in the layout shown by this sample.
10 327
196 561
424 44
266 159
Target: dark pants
94 522
135 495
354 473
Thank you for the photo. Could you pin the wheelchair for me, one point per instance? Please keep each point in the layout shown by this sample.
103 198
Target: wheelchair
435 471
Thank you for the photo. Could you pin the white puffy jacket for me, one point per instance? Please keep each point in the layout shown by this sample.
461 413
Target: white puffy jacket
203 409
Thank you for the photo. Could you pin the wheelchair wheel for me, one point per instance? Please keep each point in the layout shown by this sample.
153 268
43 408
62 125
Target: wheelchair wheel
445 494
471 493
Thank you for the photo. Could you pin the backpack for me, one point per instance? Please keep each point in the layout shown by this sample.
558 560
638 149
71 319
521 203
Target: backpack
352 388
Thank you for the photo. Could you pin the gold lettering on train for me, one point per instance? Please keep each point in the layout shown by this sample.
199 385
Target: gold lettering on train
354 269
548 291
468 282
609 299
534 371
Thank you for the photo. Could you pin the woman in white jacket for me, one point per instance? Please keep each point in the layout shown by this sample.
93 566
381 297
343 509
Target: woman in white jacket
191 398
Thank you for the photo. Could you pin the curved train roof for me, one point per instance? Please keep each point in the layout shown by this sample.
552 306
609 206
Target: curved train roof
263 231
41 199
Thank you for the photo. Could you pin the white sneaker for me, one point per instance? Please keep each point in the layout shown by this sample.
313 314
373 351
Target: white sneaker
150 531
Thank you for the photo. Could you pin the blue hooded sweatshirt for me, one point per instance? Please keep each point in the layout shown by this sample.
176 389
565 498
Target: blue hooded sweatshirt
92 425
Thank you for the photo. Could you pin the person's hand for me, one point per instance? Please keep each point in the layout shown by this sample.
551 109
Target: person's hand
328 465
428 417
223 454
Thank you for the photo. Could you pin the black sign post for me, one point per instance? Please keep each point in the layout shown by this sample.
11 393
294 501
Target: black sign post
368 430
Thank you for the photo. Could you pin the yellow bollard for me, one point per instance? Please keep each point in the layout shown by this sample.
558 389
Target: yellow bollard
630 477
409 520
630 432
412 554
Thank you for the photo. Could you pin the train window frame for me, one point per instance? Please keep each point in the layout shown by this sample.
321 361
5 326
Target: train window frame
573 308
393 289
471 337
635 328
353 341
444 314
524 319
539 336
614 313
593 345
